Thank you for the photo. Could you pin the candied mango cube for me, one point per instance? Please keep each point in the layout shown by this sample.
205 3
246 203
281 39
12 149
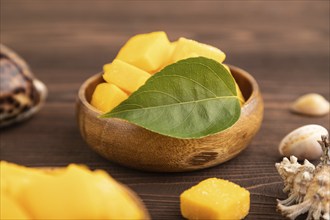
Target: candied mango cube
126 76
107 96
185 48
215 199
146 51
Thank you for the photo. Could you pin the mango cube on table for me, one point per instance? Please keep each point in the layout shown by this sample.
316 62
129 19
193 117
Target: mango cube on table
185 48
107 96
146 51
215 199
124 75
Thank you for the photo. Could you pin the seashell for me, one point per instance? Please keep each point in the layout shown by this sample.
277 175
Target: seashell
21 94
302 142
308 187
311 104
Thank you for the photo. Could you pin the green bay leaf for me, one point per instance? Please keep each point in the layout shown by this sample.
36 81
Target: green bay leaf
192 98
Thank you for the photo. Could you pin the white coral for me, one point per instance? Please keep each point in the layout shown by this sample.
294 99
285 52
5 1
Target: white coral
308 186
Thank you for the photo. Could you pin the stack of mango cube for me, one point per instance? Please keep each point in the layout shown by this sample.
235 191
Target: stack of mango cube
142 56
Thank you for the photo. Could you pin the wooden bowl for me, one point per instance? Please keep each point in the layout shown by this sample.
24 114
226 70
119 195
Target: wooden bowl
136 147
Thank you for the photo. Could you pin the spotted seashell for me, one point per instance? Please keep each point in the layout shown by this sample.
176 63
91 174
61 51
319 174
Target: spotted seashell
302 142
21 94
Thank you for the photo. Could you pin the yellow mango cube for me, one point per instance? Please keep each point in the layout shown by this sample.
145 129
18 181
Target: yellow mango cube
185 47
238 90
146 51
10 209
15 178
215 199
107 96
74 192
168 61
78 193
61 197
126 76
124 206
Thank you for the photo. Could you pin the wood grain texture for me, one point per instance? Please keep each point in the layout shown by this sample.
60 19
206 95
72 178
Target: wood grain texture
284 45
136 147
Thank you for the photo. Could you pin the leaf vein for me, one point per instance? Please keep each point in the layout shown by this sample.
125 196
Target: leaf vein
155 91
189 80
192 109
218 76
181 103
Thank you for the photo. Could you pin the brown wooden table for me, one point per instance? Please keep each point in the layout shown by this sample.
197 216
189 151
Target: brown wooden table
284 45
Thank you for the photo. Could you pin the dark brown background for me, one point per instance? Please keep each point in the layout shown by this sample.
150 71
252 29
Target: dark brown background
284 45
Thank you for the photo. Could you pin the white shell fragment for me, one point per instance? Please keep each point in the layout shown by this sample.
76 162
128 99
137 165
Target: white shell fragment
308 187
302 142
311 104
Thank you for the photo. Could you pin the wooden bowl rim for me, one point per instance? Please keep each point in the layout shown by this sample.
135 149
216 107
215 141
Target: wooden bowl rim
236 70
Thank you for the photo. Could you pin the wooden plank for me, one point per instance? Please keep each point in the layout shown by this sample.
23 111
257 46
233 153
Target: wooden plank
284 45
